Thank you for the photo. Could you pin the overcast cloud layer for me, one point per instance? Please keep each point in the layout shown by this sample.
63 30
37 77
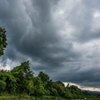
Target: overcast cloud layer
59 37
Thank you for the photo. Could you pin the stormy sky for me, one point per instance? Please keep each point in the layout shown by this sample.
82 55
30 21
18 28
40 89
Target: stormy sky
58 37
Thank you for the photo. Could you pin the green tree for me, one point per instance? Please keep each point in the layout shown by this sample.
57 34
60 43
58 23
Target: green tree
11 83
29 86
68 85
2 85
53 92
44 77
85 92
67 94
22 73
3 40
7 81
59 82
59 87
38 88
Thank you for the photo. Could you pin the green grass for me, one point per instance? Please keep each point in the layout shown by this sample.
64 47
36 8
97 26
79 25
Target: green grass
20 97
6 96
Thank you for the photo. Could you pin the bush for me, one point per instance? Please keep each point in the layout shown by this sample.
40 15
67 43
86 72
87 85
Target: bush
46 92
2 85
37 98
53 92
32 98
49 97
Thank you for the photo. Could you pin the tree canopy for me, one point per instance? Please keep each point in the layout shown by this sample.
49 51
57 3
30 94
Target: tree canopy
22 80
3 41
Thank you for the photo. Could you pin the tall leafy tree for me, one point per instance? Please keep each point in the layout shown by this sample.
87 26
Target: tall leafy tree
44 77
3 40
59 82
7 81
22 73
2 85
38 88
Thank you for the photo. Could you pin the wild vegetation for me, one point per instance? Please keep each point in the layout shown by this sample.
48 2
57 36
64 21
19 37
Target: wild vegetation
3 40
21 80
20 83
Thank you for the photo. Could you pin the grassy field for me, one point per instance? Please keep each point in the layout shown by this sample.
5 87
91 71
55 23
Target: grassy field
23 97
29 98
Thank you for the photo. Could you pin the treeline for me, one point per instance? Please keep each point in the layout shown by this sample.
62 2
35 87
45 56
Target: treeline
22 80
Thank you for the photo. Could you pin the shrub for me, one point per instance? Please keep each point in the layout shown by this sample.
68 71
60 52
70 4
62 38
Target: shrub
32 98
2 85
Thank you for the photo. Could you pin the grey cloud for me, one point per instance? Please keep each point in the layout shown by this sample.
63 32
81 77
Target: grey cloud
88 78
42 40
81 18
34 35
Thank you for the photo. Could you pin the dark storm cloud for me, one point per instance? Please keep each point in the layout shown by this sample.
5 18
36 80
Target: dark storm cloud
81 18
33 33
86 78
36 31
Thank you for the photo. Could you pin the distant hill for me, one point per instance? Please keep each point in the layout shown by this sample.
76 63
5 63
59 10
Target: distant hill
92 92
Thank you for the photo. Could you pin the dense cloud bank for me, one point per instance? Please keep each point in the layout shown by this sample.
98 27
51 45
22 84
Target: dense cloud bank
59 37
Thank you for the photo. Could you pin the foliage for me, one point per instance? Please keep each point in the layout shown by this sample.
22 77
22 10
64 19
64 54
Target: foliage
44 77
23 76
49 97
2 85
3 40
23 71
20 80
